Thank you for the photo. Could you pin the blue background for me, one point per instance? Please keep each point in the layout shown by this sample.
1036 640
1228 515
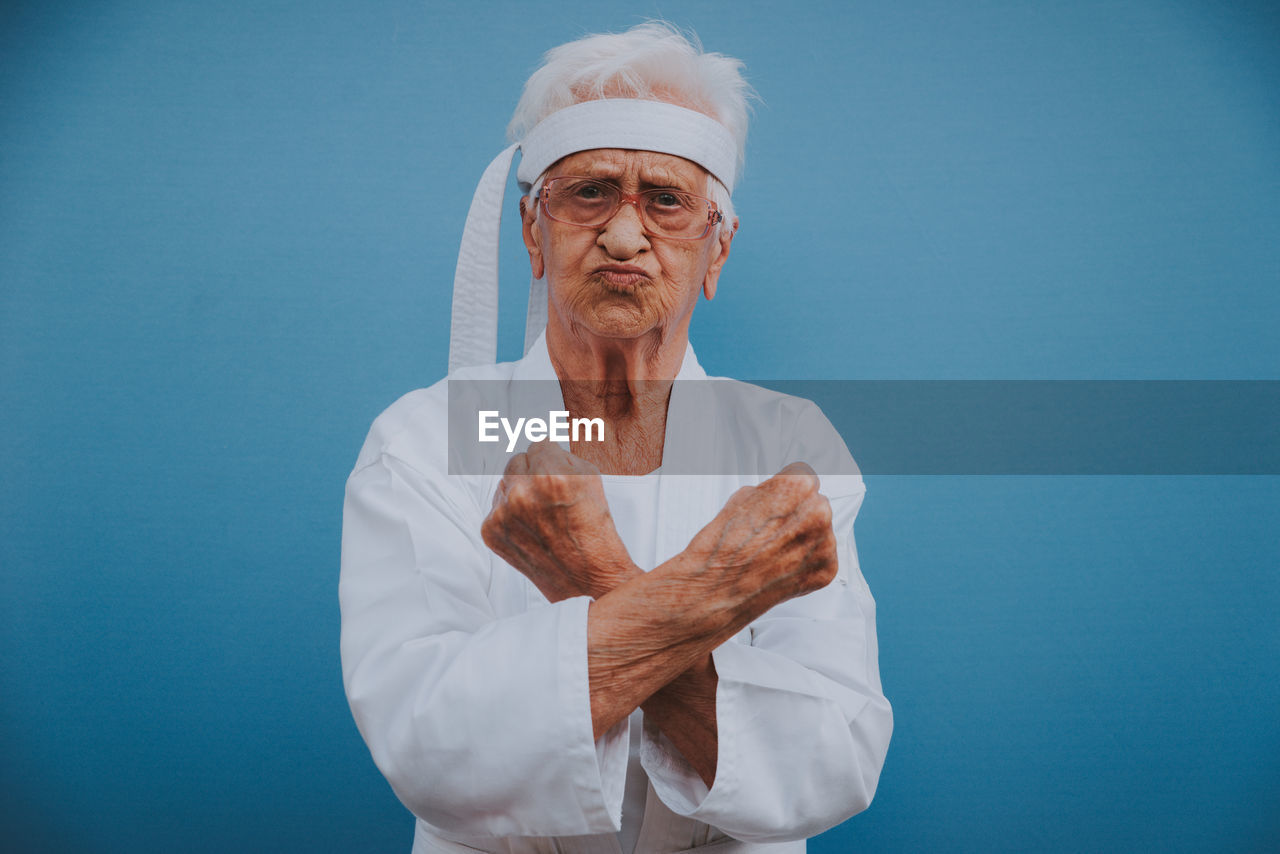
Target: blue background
227 232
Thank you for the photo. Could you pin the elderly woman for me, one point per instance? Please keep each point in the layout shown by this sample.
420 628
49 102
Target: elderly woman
582 650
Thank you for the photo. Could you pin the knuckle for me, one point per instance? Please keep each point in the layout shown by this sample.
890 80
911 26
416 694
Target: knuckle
781 485
822 567
795 488
520 494
515 465
541 451
820 510
801 467
826 573
558 487
829 550
801 476
489 530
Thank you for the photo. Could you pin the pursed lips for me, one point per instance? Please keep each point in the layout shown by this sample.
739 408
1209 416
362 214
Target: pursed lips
622 275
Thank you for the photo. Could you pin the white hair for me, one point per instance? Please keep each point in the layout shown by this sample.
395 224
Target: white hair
653 61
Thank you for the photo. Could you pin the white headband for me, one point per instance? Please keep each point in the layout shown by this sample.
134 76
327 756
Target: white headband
608 123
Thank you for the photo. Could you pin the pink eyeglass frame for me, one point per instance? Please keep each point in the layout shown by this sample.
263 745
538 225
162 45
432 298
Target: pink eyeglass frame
714 215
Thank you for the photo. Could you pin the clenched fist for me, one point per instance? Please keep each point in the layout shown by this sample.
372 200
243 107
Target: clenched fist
550 521
770 543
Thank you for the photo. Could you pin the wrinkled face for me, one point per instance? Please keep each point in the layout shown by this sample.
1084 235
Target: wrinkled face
613 280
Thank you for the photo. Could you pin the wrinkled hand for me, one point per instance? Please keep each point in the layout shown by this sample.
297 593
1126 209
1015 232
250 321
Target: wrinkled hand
768 544
550 520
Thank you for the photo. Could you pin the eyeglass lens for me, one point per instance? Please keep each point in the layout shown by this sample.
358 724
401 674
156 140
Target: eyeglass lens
665 212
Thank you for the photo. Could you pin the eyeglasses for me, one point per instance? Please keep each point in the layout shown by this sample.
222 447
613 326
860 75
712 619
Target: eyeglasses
590 203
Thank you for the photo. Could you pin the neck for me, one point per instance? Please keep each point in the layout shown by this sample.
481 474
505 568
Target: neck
578 355
625 381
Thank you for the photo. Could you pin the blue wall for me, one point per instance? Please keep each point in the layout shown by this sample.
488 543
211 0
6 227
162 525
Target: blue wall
227 232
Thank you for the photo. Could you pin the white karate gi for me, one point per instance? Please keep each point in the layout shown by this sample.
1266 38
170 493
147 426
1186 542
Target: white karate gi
471 690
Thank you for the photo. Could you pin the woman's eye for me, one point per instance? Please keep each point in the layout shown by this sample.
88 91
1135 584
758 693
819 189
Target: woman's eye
667 200
588 191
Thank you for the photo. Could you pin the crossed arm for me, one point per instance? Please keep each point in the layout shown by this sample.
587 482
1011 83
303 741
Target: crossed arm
650 635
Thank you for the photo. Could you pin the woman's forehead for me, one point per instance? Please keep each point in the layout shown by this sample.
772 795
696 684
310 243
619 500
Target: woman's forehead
649 167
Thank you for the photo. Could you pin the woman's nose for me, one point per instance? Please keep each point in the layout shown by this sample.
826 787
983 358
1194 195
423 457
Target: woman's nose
623 235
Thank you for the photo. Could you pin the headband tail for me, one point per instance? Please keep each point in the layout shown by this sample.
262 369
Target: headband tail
473 326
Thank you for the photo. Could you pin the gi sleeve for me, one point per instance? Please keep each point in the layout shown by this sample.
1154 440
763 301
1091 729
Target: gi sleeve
802 722
481 723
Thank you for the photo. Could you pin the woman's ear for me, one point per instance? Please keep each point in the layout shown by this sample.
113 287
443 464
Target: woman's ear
532 237
723 244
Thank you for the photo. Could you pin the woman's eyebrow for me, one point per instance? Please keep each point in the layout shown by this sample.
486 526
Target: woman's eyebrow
650 178
665 178
603 170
